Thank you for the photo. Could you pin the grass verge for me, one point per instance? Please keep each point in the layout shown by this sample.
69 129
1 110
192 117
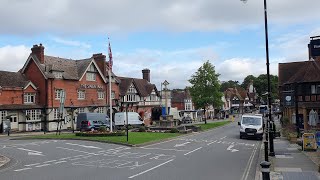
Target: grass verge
134 137
212 125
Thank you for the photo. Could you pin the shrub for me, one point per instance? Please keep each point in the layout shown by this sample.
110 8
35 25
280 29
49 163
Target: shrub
102 129
87 134
142 129
174 130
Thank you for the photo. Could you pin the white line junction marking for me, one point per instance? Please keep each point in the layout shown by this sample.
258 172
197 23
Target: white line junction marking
32 152
183 144
232 150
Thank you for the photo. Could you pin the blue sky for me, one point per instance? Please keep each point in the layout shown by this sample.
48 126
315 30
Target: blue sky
172 38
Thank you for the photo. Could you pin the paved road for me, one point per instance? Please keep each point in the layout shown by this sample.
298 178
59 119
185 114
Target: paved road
216 154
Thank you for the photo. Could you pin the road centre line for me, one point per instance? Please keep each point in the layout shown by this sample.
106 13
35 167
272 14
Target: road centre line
248 166
49 161
192 151
23 169
150 169
42 165
59 162
32 164
212 142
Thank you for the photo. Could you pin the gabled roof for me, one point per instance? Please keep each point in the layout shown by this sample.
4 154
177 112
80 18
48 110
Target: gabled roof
13 79
238 92
309 73
287 70
143 87
71 69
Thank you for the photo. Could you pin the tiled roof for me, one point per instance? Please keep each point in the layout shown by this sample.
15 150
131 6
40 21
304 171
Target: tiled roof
12 79
238 92
287 70
72 69
143 87
179 96
309 73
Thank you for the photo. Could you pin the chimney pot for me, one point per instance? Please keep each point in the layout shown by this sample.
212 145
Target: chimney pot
146 74
39 52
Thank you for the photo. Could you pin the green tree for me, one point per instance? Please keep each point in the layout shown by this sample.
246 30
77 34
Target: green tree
205 87
261 84
229 84
247 81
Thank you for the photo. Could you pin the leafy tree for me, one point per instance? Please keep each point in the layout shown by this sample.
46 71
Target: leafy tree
261 84
229 84
247 81
205 87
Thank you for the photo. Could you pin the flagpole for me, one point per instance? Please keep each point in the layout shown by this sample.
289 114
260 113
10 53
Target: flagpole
110 100
110 90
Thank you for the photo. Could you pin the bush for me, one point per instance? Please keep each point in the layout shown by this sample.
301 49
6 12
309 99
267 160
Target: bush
142 129
102 129
174 130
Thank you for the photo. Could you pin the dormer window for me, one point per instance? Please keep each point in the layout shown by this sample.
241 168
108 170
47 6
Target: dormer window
29 97
57 74
132 89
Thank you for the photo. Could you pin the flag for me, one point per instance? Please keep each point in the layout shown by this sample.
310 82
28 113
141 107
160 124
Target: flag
110 55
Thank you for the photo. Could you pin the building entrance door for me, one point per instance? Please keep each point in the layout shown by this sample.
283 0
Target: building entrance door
14 122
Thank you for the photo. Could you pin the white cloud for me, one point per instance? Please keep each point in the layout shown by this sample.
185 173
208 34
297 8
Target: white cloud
13 57
71 42
125 16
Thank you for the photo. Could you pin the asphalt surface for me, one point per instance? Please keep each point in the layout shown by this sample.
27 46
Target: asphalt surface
216 154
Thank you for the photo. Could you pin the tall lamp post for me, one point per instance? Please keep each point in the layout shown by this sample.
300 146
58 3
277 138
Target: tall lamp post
268 76
126 105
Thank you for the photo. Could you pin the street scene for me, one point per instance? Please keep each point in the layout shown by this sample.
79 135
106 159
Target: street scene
161 90
173 159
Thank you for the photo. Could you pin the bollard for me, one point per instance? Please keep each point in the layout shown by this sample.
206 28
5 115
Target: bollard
266 156
265 170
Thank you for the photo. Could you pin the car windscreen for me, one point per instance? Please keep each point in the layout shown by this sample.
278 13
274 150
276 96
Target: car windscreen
251 120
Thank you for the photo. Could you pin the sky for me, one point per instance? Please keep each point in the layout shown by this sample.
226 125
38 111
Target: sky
172 38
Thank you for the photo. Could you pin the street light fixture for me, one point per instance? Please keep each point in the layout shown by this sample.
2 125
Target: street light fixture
268 75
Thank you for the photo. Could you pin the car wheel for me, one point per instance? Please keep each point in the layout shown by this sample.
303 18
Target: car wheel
92 129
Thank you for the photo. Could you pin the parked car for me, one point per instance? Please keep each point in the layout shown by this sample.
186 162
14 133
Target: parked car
92 121
134 119
251 126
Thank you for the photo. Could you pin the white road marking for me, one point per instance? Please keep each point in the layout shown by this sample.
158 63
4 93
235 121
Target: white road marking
248 167
77 150
183 144
160 142
29 150
34 154
192 151
80 145
32 164
164 149
76 159
150 169
23 169
59 162
223 137
42 165
232 150
219 142
49 161
212 142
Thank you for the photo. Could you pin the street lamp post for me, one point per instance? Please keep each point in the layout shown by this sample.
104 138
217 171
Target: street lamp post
268 77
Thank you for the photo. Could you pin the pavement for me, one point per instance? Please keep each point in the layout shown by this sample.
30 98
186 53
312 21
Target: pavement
214 154
289 162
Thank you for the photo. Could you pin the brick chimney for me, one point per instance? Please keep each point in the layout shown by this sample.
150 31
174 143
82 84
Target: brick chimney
146 74
39 52
101 62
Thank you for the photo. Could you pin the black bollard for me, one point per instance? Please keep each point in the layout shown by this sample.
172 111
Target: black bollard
265 170
266 156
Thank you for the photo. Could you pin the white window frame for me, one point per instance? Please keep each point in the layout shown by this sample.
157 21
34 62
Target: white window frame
132 89
100 110
58 93
113 94
90 76
92 68
57 74
81 94
29 98
81 110
101 95
131 98
56 113
34 115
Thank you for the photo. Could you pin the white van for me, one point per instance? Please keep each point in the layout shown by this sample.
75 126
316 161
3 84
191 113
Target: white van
134 119
251 126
